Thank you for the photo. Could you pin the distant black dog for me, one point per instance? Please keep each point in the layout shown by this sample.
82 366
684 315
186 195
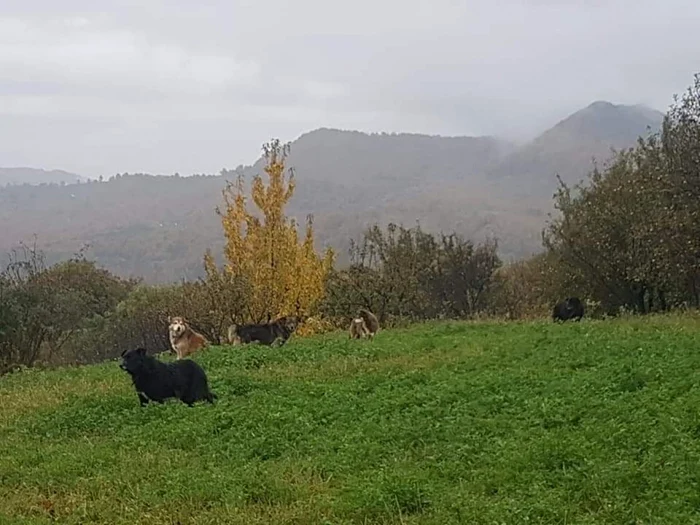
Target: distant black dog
570 308
158 381
266 333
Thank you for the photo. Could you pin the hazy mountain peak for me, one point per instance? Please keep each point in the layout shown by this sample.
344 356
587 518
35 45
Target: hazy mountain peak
618 124
600 105
569 147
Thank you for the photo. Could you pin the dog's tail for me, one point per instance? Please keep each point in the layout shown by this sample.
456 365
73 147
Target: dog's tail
211 397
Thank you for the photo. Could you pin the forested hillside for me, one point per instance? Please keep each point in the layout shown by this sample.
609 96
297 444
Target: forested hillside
158 227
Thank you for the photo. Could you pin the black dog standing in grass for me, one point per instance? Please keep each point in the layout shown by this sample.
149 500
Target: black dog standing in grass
569 308
158 381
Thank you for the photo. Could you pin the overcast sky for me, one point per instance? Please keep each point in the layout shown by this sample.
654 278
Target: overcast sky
100 87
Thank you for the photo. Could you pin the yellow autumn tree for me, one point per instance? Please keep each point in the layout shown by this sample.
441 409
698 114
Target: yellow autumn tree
284 274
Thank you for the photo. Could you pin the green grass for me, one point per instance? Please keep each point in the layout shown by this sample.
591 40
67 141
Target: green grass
478 423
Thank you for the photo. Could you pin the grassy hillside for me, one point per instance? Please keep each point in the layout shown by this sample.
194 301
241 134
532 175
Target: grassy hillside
441 423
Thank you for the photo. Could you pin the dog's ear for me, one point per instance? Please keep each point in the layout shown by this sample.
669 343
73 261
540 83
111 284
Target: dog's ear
170 319
123 353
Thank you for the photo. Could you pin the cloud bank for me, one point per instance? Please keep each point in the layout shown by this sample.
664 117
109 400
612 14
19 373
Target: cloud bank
100 88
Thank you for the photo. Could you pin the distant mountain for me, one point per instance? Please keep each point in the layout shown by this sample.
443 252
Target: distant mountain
37 176
569 148
354 158
350 171
158 227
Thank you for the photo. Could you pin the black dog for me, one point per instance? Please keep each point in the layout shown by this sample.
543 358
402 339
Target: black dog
158 381
570 308
267 333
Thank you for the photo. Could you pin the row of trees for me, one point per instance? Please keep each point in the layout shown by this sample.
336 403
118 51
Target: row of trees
408 274
630 238
44 309
75 312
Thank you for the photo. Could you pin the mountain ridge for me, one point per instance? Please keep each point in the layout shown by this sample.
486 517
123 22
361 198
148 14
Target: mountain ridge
482 187
25 175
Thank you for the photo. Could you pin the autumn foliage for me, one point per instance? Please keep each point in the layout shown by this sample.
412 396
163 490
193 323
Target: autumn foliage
283 273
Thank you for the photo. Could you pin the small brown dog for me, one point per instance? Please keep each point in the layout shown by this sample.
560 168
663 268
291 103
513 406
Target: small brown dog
183 339
371 322
358 328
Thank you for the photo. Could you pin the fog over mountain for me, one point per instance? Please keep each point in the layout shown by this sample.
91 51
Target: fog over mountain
97 88
569 147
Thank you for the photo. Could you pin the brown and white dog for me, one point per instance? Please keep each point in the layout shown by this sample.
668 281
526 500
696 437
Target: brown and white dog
183 339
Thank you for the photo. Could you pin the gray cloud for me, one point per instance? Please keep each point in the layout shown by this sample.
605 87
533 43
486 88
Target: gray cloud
176 86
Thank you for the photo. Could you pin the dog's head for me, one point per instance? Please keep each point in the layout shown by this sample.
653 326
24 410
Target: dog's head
177 325
134 361
291 322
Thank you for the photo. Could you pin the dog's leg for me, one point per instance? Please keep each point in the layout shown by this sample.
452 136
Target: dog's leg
143 400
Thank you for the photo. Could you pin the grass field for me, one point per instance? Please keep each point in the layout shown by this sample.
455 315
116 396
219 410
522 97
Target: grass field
479 423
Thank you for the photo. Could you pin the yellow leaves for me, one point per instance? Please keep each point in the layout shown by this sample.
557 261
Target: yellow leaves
287 277
315 325
209 264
